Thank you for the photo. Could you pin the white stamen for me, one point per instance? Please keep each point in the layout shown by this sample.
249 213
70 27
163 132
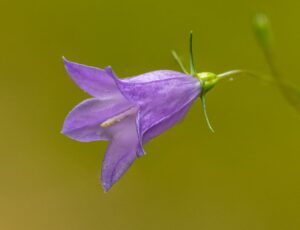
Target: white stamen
116 119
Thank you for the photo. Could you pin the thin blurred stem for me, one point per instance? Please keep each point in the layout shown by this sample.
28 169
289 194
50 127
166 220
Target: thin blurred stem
263 34
179 62
289 91
246 72
234 72
270 61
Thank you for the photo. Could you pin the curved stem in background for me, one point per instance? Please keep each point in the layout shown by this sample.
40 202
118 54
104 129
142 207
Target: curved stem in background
290 92
262 29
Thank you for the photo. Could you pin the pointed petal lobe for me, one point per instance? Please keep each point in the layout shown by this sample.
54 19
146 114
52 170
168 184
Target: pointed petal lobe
83 122
96 82
120 153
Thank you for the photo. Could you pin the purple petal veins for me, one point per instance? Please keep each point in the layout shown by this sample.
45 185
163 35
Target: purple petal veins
128 112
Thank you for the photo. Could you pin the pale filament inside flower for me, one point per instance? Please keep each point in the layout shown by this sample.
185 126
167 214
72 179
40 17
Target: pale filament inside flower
116 119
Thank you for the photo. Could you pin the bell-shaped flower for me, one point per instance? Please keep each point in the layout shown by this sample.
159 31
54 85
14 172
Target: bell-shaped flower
128 112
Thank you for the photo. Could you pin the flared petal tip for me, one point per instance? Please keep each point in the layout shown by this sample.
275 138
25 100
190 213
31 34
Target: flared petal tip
67 133
106 187
108 183
64 131
65 60
69 66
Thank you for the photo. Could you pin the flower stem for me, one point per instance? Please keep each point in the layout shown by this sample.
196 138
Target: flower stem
246 72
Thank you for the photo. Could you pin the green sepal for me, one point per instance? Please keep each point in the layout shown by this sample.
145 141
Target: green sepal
202 97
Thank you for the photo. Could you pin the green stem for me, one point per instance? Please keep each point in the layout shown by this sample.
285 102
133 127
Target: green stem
270 61
247 72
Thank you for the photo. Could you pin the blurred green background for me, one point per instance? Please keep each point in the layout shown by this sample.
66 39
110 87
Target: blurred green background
245 176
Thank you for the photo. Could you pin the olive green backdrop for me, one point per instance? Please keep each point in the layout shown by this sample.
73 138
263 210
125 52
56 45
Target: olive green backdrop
245 176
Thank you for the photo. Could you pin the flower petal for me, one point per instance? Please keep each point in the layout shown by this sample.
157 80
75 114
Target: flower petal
160 99
96 82
154 76
83 122
166 123
121 152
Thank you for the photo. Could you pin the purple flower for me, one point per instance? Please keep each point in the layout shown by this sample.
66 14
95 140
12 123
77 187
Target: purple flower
128 112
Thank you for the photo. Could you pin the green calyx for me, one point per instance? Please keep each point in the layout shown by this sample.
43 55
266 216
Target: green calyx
208 81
